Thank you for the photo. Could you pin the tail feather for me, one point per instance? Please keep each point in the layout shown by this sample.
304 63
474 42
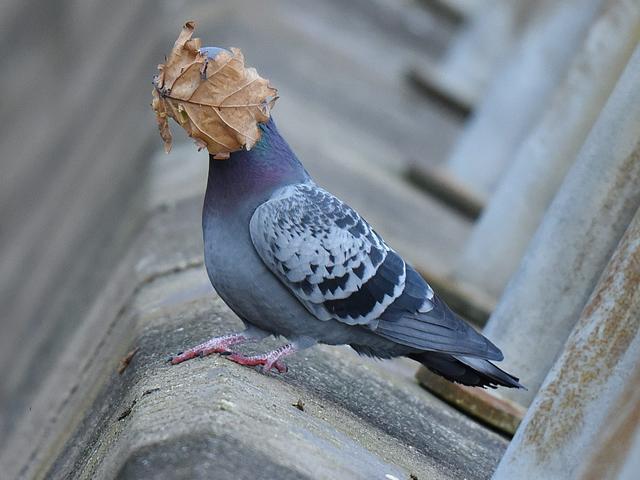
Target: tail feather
489 370
471 371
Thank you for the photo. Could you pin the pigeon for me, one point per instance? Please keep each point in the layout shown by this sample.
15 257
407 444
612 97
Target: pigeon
292 260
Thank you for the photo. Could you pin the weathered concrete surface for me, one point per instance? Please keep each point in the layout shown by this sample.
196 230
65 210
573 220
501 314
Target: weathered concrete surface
560 431
442 186
501 235
73 151
465 70
459 8
617 451
519 93
358 421
569 251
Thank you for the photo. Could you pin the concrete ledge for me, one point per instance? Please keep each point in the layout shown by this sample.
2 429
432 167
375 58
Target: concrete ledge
445 188
501 414
436 84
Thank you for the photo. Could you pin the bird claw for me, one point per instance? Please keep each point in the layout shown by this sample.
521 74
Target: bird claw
192 353
264 361
215 345
268 361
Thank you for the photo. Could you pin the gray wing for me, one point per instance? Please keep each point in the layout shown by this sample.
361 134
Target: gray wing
327 255
340 268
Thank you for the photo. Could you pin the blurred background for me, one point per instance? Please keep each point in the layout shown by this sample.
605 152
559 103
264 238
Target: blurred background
493 143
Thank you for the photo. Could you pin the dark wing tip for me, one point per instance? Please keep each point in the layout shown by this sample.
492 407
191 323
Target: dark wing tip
490 372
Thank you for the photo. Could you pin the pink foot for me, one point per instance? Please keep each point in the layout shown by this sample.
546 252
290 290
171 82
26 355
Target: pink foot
268 360
215 345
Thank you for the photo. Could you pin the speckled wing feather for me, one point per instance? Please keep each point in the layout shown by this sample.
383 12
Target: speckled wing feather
329 257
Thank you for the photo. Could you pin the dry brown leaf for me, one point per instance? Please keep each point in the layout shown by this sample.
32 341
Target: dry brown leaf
219 102
126 360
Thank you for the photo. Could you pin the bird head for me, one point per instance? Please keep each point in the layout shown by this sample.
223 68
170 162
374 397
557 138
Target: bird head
210 93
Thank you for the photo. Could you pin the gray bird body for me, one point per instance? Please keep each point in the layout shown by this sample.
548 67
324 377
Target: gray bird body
291 259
